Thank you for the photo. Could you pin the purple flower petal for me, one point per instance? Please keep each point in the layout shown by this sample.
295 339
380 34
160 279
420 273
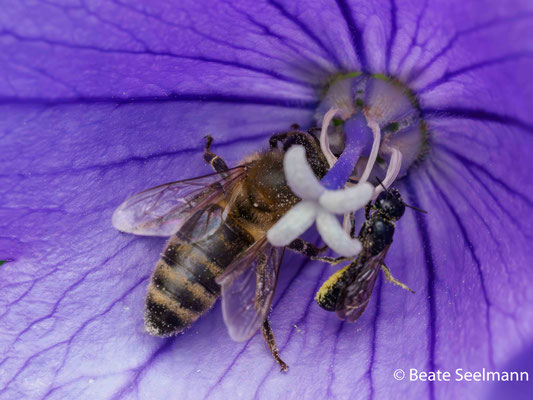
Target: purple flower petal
101 100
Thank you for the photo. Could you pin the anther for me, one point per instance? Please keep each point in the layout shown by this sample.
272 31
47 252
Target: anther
395 164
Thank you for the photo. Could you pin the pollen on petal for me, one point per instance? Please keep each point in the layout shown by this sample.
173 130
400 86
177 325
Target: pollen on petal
335 237
300 176
295 222
347 200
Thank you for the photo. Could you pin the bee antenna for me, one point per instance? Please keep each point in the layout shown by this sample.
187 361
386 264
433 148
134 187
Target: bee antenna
405 204
381 183
416 208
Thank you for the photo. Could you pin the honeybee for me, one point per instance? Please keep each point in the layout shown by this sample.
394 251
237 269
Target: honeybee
218 246
348 291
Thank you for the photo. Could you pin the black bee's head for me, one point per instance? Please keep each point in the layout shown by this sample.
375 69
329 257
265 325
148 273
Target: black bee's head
391 204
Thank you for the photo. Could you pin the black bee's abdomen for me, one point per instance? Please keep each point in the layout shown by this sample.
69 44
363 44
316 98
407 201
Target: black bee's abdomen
183 285
328 301
328 295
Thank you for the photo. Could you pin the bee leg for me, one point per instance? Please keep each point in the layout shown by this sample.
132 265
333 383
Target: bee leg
393 280
314 131
301 246
271 343
274 139
331 260
217 163
306 248
281 137
352 225
294 137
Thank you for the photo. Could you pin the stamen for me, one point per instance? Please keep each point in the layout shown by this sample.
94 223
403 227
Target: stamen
324 140
374 152
395 165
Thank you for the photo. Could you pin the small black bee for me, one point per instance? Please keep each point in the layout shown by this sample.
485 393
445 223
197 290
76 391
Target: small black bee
348 290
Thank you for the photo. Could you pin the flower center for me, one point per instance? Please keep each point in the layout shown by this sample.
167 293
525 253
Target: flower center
371 134
374 120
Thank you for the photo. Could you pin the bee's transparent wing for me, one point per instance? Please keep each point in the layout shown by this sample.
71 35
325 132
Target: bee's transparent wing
248 289
354 297
162 210
201 225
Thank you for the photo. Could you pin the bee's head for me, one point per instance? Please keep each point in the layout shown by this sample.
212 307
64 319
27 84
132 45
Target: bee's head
391 204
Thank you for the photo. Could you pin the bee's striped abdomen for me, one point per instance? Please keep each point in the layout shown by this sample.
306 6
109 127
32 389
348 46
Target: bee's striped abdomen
183 285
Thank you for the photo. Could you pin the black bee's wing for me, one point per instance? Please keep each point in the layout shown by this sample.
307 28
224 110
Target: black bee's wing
248 287
354 297
162 210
